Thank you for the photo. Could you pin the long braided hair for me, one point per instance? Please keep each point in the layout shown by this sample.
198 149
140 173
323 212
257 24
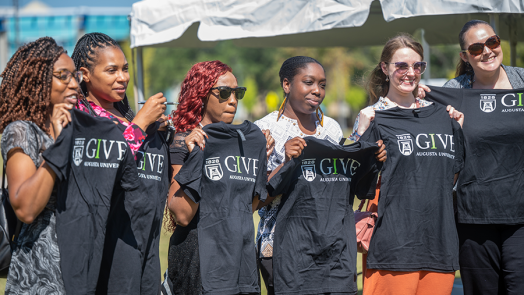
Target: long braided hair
86 55
26 86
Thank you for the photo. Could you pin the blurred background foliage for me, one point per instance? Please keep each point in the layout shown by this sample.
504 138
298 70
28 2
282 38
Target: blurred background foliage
257 69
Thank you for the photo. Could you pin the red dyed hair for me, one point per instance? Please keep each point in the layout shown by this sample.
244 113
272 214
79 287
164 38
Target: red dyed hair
195 88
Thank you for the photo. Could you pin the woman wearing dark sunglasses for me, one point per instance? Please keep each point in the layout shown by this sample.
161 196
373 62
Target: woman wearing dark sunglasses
38 90
491 256
480 65
209 94
404 257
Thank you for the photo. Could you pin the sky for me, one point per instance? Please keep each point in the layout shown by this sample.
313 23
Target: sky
73 3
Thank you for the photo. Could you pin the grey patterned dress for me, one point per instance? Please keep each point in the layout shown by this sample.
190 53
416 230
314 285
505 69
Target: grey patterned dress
35 263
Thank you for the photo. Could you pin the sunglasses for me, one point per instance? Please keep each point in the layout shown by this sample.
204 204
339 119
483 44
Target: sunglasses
477 48
65 76
403 67
225 92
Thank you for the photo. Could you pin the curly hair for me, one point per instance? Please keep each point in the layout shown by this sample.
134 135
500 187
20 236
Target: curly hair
194 90
85 55
25 91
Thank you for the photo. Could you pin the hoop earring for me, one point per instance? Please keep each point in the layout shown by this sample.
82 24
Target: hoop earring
321 119
281 108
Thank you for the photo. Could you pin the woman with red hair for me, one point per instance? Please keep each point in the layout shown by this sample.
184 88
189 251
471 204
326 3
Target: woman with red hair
209 94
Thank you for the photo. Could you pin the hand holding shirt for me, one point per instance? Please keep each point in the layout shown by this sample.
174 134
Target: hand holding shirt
415 229
315 245
490 189
93 164
224 178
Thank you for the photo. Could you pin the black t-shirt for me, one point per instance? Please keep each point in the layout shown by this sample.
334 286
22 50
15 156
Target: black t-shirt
315 249
224 178
490 189
93 164
415 229
131 263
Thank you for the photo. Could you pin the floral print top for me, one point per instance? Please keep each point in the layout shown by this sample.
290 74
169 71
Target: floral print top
383 103
133 134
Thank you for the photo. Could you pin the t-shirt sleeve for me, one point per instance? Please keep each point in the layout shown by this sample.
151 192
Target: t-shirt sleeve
372 134
59 154
367 176
261 178
190 175
129 180
460 153
446 96
281 182
178 152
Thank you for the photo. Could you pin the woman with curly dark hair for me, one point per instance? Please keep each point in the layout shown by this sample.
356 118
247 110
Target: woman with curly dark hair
38 89
201 102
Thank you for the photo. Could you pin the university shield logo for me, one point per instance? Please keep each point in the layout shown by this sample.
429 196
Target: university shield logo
214 169
488 103
405 144
308 169
78 153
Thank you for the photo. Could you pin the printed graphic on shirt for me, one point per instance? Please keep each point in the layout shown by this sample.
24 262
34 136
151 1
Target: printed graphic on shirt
488 103
98 152
509 100
150 165
308 169
425 141
343 167
214 169
242 167
78 151
405 144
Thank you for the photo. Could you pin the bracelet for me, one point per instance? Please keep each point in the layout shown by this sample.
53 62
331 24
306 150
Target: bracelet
356 133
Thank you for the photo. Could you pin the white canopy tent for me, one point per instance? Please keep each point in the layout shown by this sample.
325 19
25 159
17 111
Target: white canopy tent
311 23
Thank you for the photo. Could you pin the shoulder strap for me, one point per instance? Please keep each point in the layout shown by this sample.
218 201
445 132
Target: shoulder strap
3 177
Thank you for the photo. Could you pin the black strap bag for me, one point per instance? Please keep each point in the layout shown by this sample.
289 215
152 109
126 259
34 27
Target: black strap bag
10 227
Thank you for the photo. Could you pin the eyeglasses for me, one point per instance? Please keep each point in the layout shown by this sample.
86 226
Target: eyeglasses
477 48
225 92
65 76
402 67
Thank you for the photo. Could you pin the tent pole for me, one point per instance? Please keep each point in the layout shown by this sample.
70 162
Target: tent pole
494 22
140 77
513 40
425 47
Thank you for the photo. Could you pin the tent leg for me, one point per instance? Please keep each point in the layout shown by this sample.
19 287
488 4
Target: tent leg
425 46
139 85
494 22
513 41
4 51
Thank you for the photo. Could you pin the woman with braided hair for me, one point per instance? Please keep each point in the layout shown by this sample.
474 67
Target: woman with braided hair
106 76
38 89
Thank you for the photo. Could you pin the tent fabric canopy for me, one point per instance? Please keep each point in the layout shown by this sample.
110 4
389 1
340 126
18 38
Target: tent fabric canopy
313 23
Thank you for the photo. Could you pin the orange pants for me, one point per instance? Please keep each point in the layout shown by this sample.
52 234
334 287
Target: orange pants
385 282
